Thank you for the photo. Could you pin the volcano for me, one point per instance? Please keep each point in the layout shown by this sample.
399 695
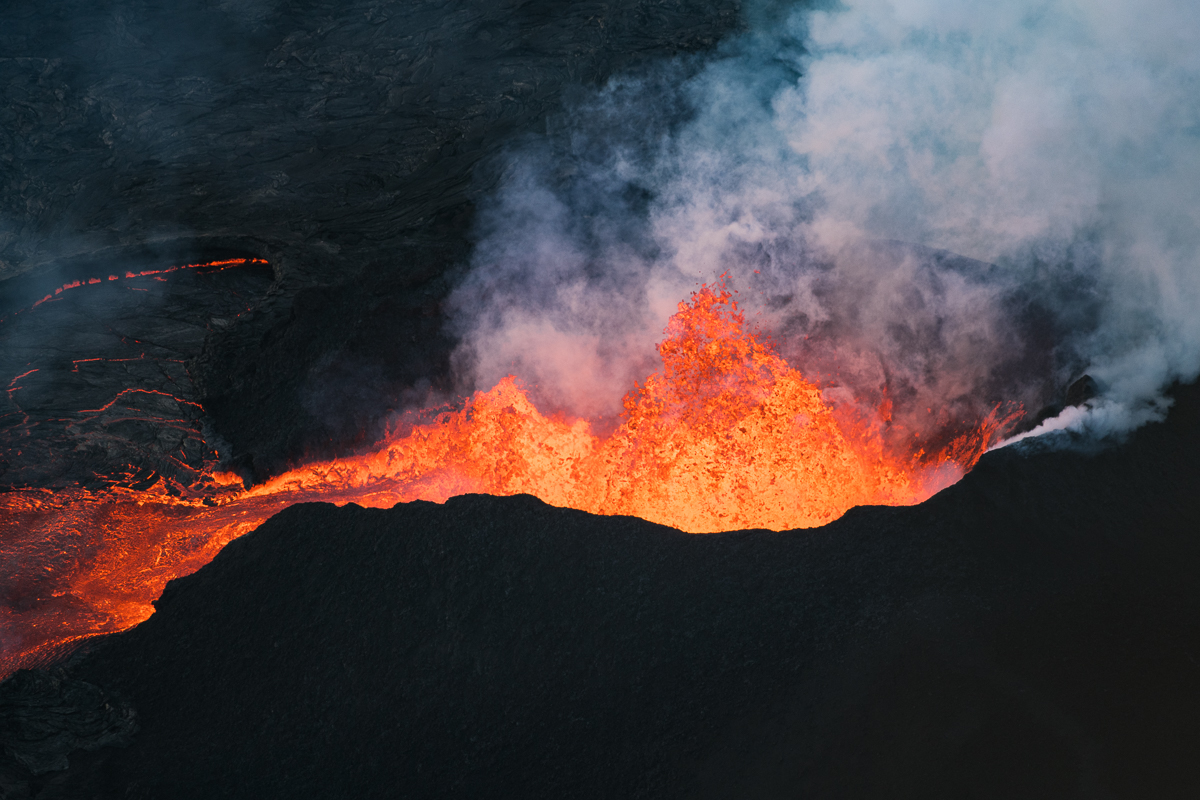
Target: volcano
1031 629
726 435
468 399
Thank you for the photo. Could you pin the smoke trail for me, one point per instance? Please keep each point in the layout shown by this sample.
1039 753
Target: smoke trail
953 203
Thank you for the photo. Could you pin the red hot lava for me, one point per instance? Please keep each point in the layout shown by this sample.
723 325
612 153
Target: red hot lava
207 265
726 435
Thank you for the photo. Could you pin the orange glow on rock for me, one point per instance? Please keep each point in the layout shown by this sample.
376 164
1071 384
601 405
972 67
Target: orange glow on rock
726 436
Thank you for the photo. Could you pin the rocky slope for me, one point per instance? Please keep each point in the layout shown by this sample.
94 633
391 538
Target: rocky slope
1030 632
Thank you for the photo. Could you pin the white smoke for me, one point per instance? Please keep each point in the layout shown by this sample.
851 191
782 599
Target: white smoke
827 163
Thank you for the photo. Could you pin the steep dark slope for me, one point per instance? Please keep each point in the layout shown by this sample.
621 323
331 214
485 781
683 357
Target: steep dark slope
1029 632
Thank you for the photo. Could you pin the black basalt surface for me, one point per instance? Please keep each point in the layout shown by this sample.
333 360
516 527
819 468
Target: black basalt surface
1033 631
346 141
101 386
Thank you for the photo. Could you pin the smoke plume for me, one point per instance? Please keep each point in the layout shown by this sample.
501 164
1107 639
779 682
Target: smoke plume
948 203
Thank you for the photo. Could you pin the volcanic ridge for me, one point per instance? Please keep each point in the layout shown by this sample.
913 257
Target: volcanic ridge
1030 631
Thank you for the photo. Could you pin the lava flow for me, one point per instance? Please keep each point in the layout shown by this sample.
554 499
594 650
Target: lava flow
727 435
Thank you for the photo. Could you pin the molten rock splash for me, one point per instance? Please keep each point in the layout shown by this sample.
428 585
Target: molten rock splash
726 436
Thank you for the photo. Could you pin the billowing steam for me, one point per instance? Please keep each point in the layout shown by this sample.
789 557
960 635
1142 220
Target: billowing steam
951 203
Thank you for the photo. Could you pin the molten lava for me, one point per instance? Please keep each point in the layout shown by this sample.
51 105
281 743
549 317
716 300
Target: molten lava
210 266
727 435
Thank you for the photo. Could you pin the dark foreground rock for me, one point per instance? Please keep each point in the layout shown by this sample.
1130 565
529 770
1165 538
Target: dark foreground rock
1033 631
44 716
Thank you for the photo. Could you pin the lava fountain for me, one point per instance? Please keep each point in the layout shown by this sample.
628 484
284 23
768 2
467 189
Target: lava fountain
727 435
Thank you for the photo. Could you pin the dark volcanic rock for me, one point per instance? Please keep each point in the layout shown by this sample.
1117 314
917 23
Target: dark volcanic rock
338 139
99 379
1030 632
1082 390
45 716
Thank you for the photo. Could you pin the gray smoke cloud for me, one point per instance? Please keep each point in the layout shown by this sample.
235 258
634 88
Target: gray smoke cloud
954 203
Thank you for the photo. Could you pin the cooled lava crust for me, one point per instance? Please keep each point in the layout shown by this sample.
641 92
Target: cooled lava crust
344 142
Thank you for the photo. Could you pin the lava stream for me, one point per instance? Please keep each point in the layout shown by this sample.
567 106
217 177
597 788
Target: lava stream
727 435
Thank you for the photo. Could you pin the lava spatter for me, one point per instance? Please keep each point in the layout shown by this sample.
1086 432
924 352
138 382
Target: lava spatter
726 435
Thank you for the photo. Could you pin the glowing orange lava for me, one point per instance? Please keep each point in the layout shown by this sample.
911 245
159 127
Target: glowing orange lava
727 435
209 265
